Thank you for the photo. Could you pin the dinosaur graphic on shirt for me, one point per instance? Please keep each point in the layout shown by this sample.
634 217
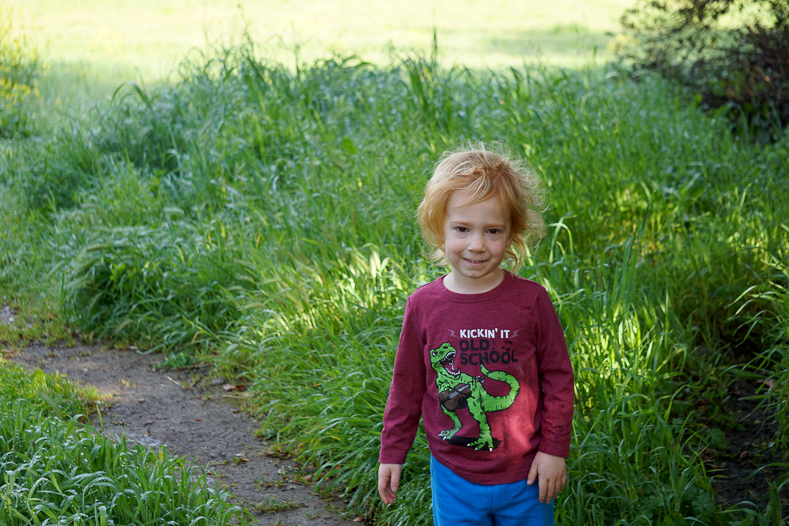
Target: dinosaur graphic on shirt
458 390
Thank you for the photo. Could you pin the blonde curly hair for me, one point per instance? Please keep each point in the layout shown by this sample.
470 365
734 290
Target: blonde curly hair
484 173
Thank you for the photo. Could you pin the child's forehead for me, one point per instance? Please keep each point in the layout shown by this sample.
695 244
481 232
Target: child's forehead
465 203
465 197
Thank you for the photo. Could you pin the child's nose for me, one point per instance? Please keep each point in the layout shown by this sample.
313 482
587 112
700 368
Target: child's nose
477 243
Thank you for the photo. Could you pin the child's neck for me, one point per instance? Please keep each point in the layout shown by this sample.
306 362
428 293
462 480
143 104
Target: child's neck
455 282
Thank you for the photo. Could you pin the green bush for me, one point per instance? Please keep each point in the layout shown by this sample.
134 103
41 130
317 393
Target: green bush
734 54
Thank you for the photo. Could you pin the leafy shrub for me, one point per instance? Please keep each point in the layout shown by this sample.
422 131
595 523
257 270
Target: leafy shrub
734 54
20 65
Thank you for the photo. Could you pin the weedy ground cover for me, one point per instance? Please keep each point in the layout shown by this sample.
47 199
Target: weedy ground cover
55 470
45 393
264 217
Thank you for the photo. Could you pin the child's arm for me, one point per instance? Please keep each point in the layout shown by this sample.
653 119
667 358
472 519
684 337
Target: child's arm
389 481
552 472
556 382
403 407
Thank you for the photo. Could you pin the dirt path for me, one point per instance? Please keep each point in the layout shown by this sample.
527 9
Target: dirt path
194 419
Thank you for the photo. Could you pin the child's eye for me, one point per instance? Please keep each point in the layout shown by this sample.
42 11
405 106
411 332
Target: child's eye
461 229
494 231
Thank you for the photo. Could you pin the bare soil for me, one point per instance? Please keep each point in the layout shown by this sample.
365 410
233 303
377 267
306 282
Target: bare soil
194 417
6 315
750 459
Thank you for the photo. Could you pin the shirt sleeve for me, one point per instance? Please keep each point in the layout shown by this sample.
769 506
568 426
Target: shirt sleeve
556 379
404 406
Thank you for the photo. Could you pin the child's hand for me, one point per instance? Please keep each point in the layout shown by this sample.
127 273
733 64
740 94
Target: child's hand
389 481
552 472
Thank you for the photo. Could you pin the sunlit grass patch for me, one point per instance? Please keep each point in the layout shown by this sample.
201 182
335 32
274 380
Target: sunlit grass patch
20 66
47 393
154 37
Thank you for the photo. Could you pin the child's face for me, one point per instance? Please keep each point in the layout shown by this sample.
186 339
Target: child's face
476 237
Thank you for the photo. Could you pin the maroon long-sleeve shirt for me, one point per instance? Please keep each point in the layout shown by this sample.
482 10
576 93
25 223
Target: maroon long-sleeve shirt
490 375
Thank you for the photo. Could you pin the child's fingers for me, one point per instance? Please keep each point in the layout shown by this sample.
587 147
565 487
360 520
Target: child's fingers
543 488
562 483
388 482
383 484
532 474
549 489
386 494
384 490
559 485
553 490
394 481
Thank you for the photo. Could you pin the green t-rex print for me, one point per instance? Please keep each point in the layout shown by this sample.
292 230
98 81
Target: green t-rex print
457 390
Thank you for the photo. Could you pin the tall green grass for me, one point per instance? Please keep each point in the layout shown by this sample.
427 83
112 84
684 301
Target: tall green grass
56 470
266 217
61 473
25 260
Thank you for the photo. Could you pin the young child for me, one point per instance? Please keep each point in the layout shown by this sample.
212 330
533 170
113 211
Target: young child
482 357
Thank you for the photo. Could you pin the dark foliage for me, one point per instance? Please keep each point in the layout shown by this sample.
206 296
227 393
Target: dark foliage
734 54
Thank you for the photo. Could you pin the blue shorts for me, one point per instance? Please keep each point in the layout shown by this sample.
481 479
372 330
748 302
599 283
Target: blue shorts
458 502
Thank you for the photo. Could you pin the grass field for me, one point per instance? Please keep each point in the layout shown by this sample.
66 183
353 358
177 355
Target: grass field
262 216
154 36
